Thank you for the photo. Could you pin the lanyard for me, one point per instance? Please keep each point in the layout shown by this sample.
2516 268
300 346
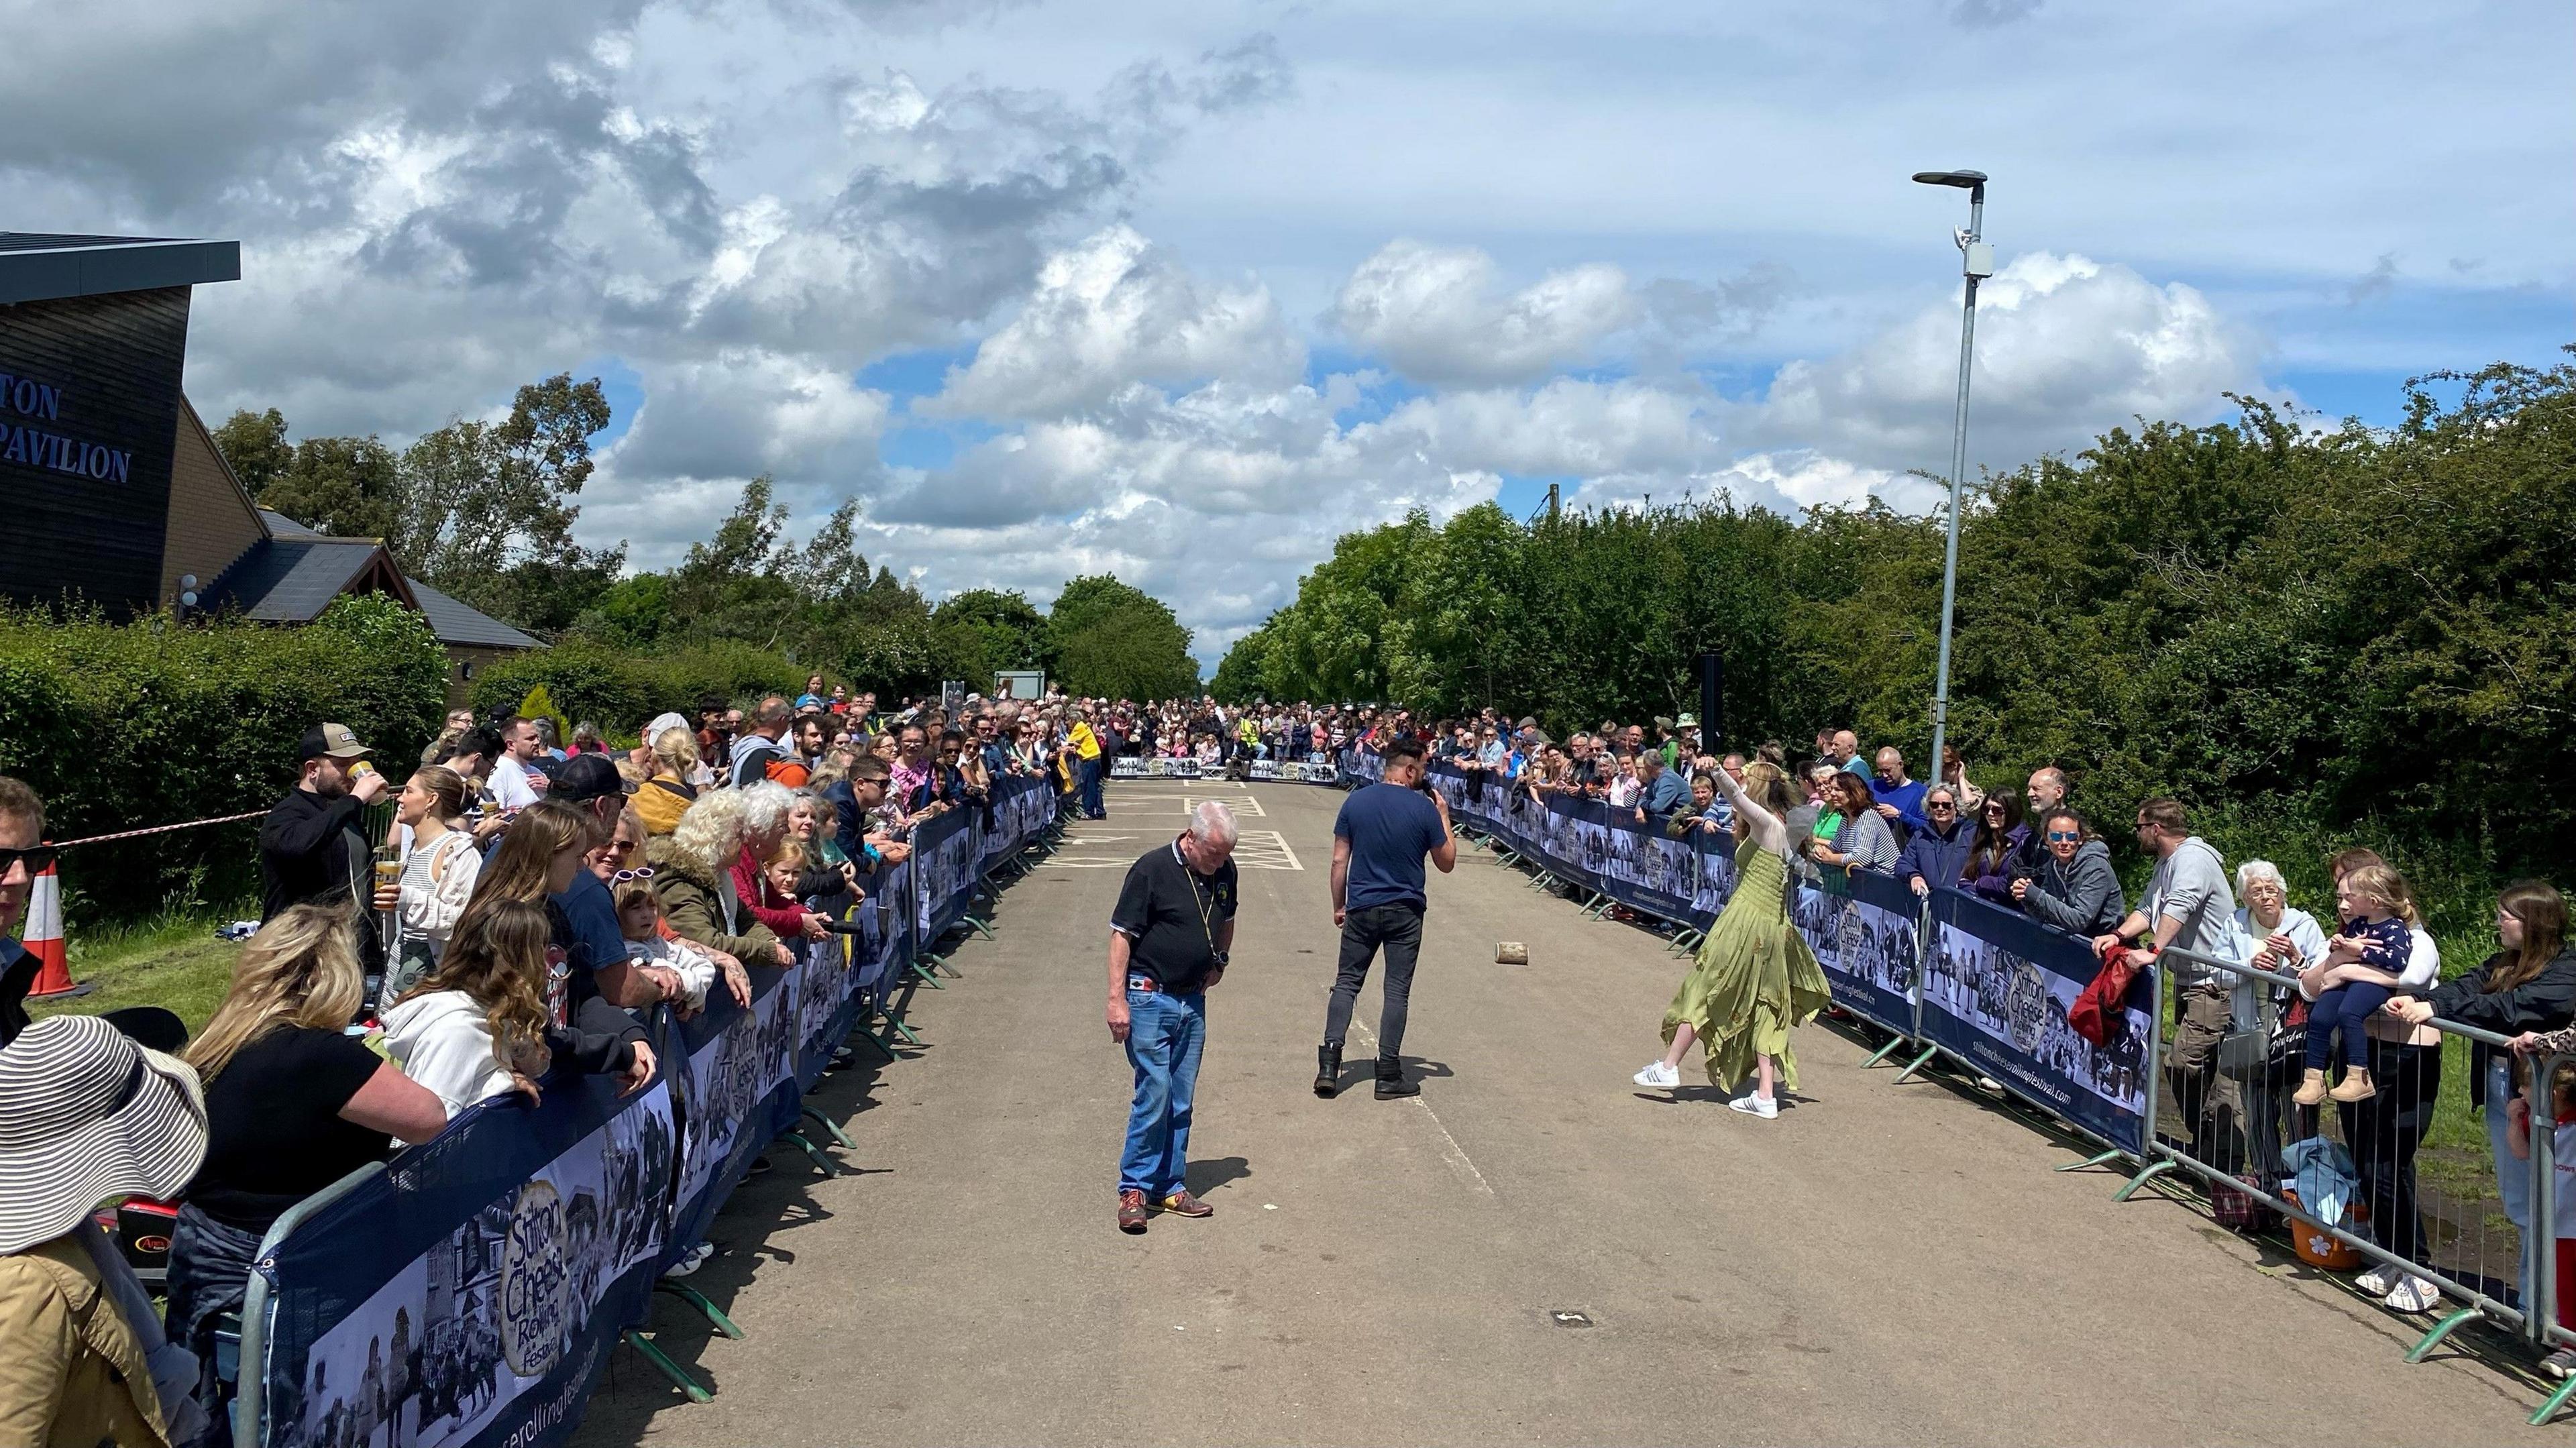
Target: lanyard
1206 907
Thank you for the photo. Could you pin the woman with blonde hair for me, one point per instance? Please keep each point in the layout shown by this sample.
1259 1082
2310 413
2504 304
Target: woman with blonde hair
293 1104
671 784
477 1027
438 874
693 873
1755 980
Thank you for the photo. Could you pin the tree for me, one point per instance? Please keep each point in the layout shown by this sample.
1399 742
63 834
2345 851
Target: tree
1240 675
485 511
986 631
1113 640
254 446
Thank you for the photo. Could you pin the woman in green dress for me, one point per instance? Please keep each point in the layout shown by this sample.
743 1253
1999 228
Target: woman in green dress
1755 978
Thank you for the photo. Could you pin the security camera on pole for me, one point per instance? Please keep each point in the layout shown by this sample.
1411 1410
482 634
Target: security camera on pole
1978 260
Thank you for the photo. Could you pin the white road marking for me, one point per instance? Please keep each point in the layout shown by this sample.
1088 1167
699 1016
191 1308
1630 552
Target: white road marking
1460 1164
1253 850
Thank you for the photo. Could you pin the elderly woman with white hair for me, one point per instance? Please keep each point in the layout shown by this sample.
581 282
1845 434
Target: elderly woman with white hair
693 876
2274 935
766 809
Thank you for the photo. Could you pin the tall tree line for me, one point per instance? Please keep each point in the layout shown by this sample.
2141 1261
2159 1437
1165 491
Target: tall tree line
2337 625
485 511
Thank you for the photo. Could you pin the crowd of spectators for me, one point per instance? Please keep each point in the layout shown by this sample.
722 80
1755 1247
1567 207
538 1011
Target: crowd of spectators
529 898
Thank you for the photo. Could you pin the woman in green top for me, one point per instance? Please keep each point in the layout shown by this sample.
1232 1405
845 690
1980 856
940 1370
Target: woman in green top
1755 978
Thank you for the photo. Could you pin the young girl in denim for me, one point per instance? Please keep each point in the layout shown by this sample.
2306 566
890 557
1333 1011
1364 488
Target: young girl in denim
2369 955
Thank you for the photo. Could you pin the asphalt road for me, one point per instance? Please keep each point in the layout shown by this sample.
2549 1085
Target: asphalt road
1883 1264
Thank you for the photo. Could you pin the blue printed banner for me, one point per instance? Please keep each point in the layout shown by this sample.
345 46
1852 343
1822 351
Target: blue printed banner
943 872
1867 932
471 1294
1996 988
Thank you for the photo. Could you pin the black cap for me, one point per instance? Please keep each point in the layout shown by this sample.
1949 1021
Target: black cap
586 777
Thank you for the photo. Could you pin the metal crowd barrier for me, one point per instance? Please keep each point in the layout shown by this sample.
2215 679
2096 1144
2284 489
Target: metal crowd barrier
2483 1269
1928 1009
501 1333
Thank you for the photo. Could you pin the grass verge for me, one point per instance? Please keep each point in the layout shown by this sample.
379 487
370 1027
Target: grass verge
171 960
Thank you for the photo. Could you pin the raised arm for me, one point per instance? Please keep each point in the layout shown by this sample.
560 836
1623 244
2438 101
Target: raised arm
1768 830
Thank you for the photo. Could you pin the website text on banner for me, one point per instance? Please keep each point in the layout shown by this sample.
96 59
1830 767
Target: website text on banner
469 1292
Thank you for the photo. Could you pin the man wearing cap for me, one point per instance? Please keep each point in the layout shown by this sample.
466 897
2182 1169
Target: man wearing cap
605 973
310 846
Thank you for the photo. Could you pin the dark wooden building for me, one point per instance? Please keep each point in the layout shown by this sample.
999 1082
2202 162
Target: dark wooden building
111 490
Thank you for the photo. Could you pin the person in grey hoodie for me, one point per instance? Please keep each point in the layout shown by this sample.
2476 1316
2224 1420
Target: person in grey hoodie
2190 906
2074 888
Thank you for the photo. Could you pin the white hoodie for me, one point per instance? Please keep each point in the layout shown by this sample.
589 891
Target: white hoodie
443 1040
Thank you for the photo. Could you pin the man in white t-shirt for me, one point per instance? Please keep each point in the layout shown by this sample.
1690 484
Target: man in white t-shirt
514 784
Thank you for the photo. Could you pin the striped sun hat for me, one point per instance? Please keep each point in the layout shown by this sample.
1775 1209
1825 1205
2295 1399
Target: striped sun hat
86 1115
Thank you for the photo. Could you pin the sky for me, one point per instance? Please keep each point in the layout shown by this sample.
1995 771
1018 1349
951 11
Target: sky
1183 291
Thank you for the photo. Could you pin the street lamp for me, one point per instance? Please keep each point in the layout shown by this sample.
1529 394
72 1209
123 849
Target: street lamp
1978 263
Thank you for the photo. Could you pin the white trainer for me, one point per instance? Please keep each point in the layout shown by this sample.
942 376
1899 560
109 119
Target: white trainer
1766 1107
2414 1294
2377 1282
1658 1075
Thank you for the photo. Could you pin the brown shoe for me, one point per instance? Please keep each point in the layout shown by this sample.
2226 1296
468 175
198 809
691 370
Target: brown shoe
2356 1085
1182 1204
1131 1211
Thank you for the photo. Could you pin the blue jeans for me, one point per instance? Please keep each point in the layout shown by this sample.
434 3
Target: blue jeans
1087 774
1164 1036
2345 1008
2513 1178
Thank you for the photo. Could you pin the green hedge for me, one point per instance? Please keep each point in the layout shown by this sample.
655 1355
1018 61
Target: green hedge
619 691
120 726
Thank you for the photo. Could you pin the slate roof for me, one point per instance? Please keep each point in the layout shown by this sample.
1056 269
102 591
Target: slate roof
291 580
292 575
457 623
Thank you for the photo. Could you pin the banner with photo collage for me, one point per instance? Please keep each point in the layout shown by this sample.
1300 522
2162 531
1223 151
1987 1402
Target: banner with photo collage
1996 988
1313 769
470 1293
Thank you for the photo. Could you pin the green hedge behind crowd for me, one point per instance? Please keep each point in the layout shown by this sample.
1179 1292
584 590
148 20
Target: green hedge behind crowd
619 690
2310 635
122 726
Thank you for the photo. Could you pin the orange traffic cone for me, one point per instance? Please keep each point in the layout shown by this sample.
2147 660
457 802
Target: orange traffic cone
44 939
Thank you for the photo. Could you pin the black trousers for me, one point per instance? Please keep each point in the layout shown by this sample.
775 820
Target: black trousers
1397 928
2383 1133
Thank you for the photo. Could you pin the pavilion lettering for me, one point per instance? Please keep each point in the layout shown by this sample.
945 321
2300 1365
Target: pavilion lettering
24 404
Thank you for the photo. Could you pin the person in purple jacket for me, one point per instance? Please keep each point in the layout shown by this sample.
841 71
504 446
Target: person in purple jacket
2000 833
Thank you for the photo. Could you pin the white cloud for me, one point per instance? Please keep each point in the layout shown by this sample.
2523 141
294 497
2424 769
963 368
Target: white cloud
1113 311
1439 314
2066 348
747 411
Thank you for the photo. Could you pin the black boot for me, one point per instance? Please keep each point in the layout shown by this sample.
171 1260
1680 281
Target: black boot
1328 1070
1390 1080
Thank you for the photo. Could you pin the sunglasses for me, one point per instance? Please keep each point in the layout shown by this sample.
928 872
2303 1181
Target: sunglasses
623 877
1942 808
38 859
2055 835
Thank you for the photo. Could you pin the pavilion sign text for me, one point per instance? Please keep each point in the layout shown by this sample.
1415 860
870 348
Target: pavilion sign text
25 404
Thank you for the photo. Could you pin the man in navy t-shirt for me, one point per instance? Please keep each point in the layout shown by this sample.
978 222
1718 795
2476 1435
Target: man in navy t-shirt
1380 839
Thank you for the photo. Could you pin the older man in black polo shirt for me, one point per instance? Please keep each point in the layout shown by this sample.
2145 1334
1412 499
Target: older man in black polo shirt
1168 941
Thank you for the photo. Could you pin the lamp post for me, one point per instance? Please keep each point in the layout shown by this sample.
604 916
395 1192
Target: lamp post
1977 263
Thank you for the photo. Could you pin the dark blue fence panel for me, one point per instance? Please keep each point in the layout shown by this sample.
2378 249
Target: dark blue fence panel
943 872
731 1070
471 1294
1996 987
1867 932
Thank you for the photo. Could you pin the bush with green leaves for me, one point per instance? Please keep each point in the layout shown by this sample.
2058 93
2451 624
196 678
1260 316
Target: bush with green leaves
619 690
120 726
